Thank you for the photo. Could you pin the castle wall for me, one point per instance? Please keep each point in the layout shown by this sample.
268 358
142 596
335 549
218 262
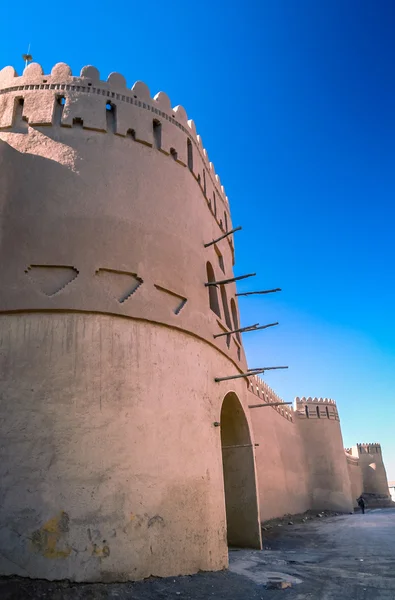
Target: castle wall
373 470
283 479
111 466
355 476
112 463
319 427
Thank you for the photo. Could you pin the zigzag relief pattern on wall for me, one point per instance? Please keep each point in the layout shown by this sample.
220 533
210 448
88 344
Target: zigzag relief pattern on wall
173 300
119 284
51 279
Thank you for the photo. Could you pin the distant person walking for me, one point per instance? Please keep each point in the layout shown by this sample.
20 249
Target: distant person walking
361 504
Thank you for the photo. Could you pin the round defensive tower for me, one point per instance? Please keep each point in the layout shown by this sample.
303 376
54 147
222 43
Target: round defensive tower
375 482
326 462
111 461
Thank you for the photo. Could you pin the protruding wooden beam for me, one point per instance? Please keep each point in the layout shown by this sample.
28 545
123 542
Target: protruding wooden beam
238 376
259 292
222 237
238 446
268 404
245 329
253 371
224 281
248 374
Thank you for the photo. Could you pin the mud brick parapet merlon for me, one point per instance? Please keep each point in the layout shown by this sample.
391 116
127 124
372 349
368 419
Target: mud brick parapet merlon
372 448
316 408
109 106
259 388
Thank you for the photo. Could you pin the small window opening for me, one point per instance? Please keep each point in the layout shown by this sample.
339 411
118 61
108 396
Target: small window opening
110 114
226 221
77 121
235 318
20 121
306 410
190 154
131 133
157 131
59 106
327 411
173 153
215 204
220 259
204 182
317 408
212 291
225 306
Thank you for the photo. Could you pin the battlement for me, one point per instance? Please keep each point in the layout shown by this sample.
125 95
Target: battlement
259 388
372 448
61 99
316 408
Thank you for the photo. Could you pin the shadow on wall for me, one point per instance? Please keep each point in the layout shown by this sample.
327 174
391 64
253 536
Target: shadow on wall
243 527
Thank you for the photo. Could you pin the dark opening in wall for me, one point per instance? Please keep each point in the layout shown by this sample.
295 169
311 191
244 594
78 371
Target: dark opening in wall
110 115
225 306
317 408
235 318
77 121
327 411
157 131
204 182
226 221
306 410
20 122
220 259
173 153
131 133
59 106
212 291
214 204
190 154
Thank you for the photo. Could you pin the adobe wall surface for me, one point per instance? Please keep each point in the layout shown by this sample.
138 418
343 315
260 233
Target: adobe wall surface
355 475
102 214
111 466
319 427
283 479
112 463
373 470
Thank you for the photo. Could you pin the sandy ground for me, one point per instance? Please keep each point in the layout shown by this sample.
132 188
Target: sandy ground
346 557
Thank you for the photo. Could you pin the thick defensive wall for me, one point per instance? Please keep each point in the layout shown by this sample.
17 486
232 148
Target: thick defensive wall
110 462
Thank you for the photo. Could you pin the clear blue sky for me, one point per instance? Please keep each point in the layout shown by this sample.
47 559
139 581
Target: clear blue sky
295 102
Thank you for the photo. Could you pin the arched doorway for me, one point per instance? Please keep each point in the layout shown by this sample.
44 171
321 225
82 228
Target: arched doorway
241 501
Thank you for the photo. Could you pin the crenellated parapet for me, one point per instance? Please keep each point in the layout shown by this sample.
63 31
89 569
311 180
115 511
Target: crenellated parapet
62 99
316 408
261 390
369 448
